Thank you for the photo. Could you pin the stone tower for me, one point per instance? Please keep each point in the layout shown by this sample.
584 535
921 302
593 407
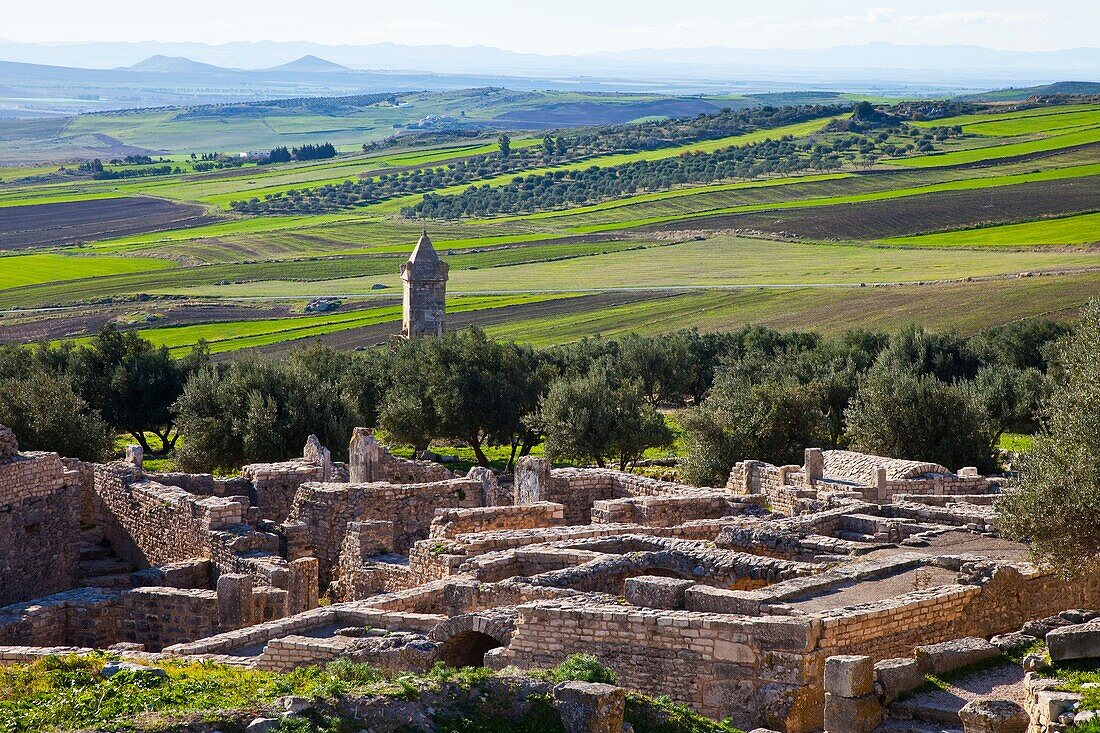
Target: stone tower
425 302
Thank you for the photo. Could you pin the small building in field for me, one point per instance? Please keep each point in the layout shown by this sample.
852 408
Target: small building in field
425 300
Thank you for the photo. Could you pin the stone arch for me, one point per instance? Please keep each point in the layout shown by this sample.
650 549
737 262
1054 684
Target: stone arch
466 638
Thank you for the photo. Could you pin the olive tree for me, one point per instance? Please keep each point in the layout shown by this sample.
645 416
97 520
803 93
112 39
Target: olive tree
1056 507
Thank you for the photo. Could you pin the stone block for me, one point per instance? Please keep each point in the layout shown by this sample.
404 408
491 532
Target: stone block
948 656
1080 641
135 455
815 464
898 676
234 601
651 591
994 716
852 714
849 676
590 707
708 599
365 456
303 585
532 480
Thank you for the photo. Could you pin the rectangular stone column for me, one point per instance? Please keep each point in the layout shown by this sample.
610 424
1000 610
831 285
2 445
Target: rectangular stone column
135 455
532 481
850 702
234 601
303 590
364 457
815 465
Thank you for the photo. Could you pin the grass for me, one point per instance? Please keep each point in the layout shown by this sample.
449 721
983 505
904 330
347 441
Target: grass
722 261
19 270
1084 136
67 693
957 185
963 307
235 335
1016 442
1068 230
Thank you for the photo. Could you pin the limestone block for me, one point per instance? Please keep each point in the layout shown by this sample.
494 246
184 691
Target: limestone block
532 481
303 590
951 655
849 676
234 601
651 591
112 668
1080 641
364 457
135 455
590 707
852 714
993 716
490 486
815 464
898 676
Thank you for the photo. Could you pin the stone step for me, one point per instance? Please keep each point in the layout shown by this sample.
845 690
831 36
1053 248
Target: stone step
93 552
939 710
92 535
106 581
104 566
897 725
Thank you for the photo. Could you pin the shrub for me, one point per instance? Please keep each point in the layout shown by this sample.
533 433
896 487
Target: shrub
582 668
1057 505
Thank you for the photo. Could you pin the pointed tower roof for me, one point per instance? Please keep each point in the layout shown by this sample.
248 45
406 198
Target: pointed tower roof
424 262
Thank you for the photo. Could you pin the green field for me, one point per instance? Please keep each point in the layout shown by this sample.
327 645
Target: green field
234 335
1083 229
674 257
19 270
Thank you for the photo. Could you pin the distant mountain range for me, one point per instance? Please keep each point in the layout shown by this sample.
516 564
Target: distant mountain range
873 61
42 79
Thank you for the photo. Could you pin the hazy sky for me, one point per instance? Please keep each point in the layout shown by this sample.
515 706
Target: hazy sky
565 26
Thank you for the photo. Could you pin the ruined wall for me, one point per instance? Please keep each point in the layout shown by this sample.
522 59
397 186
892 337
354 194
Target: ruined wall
159 617
663 511
273 485
40 508
759 671
578 489
326 510
449 523
150 524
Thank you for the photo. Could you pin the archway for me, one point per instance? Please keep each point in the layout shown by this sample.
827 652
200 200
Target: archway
467 649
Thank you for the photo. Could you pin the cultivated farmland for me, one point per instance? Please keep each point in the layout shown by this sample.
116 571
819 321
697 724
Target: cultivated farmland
823 222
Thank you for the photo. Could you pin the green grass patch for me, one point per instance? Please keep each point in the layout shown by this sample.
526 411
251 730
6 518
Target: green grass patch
1068 230
19 270
974 155
70 693
236 335
1016 442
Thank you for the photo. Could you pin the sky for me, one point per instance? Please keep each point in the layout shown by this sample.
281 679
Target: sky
566 26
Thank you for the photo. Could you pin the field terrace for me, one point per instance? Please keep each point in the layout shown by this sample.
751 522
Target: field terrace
726 599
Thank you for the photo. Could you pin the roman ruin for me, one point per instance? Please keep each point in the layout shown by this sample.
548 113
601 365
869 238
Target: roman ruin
796 598
424 278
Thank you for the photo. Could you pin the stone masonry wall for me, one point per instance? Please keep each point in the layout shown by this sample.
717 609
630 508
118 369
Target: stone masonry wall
450 523
275 484
577 489
40 508
759 671
326 510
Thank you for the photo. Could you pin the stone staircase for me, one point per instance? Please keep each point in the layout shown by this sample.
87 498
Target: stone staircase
935 710
99 567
